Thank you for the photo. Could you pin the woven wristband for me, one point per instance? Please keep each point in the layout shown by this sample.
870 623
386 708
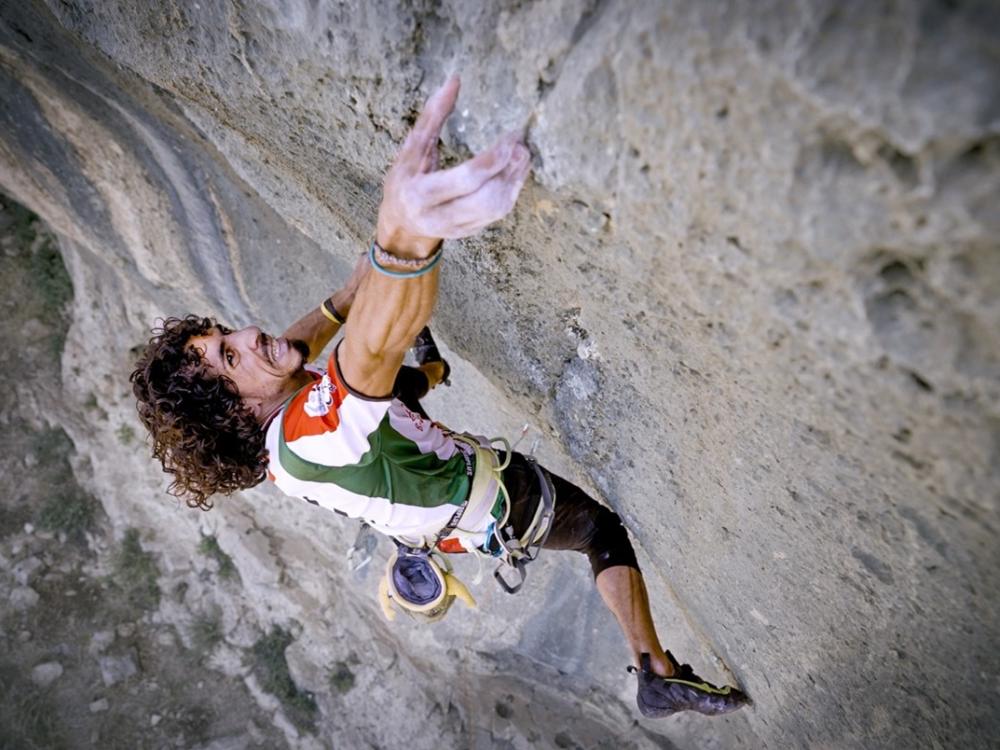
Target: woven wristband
331 313
377 255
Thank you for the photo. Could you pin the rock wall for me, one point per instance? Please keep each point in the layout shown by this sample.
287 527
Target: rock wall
748 299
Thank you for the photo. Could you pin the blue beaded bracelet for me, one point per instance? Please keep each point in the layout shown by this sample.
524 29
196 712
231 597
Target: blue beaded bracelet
430 263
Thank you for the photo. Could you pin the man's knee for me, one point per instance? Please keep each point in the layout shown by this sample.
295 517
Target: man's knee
609 543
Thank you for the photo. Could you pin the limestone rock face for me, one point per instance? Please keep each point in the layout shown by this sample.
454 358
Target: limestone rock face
748 299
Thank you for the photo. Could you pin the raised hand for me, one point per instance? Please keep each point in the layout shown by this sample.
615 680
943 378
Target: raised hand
422 205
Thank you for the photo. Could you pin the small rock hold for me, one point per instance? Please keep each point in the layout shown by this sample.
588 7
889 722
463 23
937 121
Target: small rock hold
45 674
125 630
115 669
27 570
24 636
35 328
99 705
100 641
29 528
155 719
23 597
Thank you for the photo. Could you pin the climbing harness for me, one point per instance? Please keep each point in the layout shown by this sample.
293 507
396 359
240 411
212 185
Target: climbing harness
419 578
517 552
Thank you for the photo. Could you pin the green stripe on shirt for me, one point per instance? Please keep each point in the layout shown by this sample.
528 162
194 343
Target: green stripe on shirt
393 468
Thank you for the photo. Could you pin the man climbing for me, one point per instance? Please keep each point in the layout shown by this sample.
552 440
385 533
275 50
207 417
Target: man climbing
226 408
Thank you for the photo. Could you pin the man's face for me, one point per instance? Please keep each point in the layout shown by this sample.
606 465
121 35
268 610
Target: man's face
262 367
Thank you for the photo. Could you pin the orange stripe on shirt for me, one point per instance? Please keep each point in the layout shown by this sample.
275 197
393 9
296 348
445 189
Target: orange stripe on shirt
296 423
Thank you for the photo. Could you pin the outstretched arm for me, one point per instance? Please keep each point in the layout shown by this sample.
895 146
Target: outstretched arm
422 205
315 328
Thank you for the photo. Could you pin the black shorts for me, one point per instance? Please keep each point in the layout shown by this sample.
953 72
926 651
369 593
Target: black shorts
580 522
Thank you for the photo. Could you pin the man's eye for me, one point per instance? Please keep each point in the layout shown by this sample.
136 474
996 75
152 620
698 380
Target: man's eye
229 358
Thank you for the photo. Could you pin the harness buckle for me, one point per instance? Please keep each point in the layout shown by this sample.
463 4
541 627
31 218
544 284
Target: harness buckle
519 566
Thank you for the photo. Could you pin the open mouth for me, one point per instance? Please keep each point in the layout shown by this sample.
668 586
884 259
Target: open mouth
270 348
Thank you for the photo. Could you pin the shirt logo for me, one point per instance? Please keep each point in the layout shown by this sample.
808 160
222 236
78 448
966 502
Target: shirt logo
320 398
418 421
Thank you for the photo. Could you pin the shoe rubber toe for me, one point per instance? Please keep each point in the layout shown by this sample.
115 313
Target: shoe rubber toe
663 696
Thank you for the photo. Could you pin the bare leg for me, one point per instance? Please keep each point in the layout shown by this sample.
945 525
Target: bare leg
624 592
584 525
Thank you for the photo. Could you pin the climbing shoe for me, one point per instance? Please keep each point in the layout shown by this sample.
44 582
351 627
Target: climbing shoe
683 691
425 351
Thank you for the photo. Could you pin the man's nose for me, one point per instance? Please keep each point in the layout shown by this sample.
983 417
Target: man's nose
249 336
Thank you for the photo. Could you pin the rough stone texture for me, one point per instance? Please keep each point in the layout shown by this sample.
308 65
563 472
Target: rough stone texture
749 299
99 642
115 669
45 674
23 597
27 570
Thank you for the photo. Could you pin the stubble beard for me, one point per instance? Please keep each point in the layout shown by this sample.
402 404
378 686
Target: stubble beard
302 348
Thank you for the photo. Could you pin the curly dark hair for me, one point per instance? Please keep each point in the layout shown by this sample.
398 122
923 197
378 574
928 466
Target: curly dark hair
202 432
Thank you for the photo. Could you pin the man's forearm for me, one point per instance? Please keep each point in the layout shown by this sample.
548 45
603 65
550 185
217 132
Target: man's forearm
394 309
317 328
387 315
